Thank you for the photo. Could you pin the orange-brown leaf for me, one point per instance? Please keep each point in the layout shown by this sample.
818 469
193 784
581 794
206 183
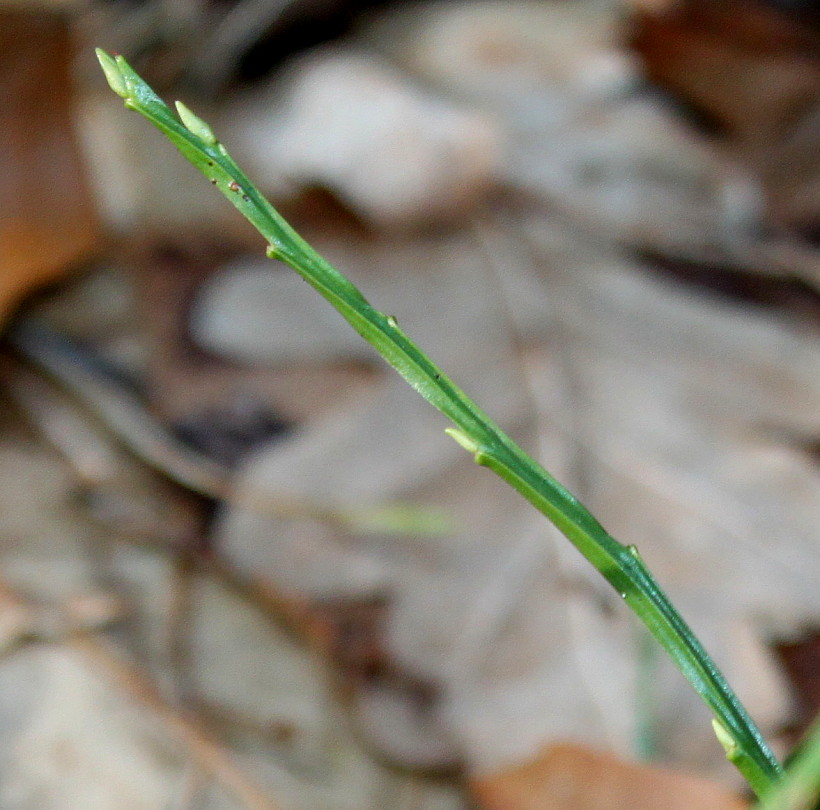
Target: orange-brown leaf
572 777
47 222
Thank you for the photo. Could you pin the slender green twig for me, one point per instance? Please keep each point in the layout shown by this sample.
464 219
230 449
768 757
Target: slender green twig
621 565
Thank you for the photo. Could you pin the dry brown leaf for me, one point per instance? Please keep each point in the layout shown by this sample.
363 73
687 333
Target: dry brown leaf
754 70
47 222
186 382
582 132
747 65
81 723
572 777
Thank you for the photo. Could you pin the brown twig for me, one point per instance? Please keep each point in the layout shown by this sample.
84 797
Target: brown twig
135 428
203 749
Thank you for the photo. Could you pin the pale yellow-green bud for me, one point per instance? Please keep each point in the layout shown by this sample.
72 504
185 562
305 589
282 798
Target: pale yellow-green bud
112 73
463 439
725 739
195 125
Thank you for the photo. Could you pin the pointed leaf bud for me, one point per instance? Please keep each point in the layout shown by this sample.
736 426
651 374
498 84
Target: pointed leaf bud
726 740
195 125
112 73
463 439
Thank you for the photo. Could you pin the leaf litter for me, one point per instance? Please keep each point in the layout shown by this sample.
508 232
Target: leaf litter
242 661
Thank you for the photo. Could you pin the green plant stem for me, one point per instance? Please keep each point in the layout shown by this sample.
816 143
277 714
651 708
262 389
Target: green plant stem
800 790
621 565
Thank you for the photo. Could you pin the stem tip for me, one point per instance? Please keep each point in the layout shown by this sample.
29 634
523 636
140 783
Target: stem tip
113 74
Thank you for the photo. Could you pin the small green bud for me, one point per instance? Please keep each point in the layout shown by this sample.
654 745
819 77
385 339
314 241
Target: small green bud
112 72
194 124
463 439
728 742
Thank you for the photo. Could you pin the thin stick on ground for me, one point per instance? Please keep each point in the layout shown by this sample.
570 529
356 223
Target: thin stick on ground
205 751
150 441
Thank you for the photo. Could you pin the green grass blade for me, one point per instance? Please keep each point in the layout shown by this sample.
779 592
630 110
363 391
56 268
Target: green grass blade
620 565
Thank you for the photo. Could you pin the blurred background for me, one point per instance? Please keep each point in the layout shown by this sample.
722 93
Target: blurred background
240 564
